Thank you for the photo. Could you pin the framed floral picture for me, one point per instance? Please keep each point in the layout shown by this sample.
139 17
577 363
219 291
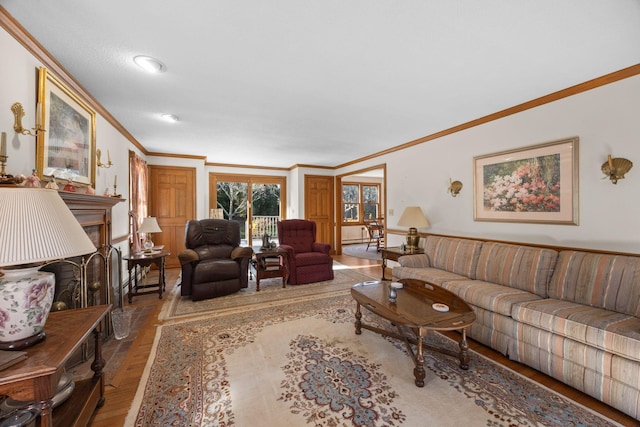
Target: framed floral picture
67 148
537 184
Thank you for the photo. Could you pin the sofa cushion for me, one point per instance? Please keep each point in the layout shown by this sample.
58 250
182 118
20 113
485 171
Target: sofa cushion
607 330
600 280
522 267
492 297
459 256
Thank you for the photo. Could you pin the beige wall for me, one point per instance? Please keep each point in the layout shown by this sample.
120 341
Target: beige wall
605 119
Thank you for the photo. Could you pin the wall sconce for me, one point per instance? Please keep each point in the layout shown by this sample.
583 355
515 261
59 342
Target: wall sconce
99 162
454 187
18 114
616 168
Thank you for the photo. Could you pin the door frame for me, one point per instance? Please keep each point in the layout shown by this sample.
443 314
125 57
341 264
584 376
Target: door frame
338 201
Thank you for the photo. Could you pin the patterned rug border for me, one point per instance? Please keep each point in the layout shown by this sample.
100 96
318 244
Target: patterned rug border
268 311
249 299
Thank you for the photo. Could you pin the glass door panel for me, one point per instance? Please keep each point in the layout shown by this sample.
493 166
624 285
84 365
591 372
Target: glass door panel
254 201
265 213
233 199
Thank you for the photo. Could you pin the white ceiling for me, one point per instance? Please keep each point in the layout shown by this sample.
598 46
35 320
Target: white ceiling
278 83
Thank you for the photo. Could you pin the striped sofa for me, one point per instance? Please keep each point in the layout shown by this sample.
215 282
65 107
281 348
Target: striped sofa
571 314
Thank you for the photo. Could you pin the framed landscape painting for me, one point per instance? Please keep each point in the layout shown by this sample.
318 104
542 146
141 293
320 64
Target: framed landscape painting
67 148
537 184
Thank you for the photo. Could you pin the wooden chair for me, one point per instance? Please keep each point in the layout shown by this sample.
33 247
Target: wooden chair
376 234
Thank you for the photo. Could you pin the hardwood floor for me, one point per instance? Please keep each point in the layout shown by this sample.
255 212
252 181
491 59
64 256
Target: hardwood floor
121 390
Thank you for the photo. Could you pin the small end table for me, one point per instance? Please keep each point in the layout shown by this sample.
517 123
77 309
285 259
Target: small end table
269 264
143 259
393 254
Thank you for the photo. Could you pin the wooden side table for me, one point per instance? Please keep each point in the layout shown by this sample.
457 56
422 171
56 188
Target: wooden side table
142 259
393 254
270 264
36 377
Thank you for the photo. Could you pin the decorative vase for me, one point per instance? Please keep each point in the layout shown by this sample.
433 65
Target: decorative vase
26 296
265 241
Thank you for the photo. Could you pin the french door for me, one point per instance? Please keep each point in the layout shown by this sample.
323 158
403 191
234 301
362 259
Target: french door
255 201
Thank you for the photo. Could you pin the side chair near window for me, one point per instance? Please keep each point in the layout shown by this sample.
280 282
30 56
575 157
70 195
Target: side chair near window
308 261
376 234
214 264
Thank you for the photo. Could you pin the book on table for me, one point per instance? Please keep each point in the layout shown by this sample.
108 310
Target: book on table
270 263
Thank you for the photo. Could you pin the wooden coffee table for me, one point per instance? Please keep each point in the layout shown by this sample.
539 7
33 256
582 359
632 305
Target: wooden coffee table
413 314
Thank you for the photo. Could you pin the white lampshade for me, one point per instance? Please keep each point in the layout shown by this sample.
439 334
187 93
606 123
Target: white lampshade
37 226
149 225
413 217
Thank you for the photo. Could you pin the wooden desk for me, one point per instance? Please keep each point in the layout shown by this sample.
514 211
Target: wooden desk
393 254
36 378
145 260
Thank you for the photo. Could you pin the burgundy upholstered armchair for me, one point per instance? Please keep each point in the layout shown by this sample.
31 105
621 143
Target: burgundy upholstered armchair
213 264
308 261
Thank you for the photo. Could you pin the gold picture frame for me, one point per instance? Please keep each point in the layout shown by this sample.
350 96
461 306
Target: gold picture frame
67 149
534 184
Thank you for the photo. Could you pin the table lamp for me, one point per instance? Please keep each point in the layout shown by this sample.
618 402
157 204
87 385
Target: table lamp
414 218
149 225
36 226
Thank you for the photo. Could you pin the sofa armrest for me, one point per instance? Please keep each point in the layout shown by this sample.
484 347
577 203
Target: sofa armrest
325 248
187 256
414 261
241 252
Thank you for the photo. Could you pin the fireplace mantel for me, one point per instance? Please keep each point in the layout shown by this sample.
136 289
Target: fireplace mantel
93 212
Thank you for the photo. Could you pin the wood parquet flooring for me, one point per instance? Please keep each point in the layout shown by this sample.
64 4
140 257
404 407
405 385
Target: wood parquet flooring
121 391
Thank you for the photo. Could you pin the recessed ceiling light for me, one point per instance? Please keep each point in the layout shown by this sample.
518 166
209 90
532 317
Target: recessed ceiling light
171 118
149 64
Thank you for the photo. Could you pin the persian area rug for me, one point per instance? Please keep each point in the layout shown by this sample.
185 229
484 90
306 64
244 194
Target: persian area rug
302 364
271 293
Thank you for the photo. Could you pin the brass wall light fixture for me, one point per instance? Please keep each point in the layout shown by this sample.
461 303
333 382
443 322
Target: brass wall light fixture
454 187
615 168
99 162
18 114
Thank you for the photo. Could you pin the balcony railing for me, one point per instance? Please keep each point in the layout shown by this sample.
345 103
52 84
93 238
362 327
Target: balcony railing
264 224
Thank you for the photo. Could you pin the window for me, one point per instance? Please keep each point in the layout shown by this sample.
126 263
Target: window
360 202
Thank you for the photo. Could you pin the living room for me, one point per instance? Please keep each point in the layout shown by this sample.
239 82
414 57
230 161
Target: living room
600 111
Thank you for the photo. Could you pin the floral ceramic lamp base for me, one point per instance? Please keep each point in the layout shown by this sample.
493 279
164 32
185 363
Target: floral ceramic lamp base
26 296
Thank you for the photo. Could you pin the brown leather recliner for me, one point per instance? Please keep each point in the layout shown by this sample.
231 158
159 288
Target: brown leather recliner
214 264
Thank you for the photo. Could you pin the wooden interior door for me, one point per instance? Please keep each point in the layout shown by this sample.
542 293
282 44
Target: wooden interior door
318 206
172 200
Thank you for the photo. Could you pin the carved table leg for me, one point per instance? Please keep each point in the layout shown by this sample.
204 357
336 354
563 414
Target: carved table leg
464 351
419 372
46 413
98 362
358 319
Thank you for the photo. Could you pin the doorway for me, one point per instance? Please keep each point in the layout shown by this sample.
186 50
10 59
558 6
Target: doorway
255 201
357 204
